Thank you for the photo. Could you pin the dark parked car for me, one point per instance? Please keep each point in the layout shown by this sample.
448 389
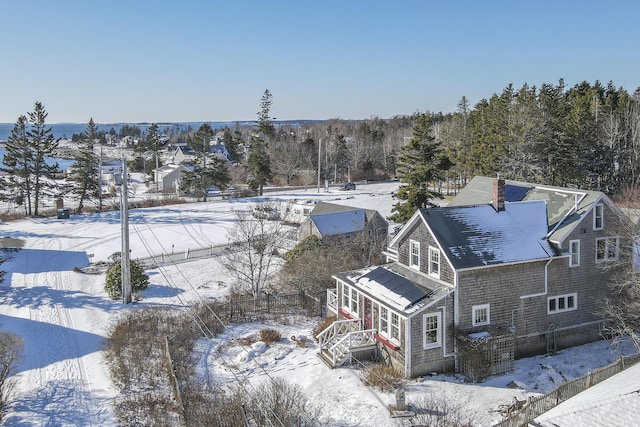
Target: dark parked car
348 186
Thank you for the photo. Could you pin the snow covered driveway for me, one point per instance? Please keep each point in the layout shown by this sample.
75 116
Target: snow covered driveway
62 380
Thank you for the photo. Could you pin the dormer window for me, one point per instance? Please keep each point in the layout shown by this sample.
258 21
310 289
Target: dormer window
414 254
598 217
434 262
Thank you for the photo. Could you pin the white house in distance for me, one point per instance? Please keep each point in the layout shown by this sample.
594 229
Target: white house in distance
168 177
185 153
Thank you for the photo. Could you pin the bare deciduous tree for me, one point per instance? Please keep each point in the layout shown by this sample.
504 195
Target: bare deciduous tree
622 306
11 346
255 240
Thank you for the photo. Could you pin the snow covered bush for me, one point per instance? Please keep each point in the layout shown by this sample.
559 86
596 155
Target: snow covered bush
270 336
383 377
113 282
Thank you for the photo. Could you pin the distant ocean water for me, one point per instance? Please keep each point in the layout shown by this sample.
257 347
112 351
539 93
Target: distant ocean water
66 130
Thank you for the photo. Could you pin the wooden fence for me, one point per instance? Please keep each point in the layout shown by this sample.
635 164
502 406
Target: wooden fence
270 306
536 406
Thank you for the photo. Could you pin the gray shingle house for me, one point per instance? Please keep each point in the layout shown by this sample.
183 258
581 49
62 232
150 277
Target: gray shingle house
510 268
333 220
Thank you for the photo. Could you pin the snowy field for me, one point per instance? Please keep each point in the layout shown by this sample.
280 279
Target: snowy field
63 317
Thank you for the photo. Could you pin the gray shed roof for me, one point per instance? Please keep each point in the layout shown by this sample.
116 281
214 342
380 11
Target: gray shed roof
336 223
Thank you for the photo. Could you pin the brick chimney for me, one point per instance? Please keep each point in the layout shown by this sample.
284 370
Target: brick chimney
498 194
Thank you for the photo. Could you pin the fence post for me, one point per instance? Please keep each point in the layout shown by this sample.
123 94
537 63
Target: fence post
527 411
172 376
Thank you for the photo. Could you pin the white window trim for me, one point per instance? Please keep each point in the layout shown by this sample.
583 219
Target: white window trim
350 291
571 253
473 314
598 207
413 243
566 298
438 342
606 249
383 331
346 294
391 327
355 296
432 250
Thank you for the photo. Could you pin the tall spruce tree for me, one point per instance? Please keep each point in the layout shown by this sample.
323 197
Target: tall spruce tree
208 170
258 162
43 145
17 163
31 178
422 162
85 170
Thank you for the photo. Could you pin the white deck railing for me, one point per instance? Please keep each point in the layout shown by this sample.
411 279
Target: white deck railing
332 300
337 329
341 350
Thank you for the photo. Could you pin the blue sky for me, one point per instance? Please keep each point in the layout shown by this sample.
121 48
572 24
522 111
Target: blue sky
133 61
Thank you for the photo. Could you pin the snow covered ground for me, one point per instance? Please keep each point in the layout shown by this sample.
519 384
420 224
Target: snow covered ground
63 317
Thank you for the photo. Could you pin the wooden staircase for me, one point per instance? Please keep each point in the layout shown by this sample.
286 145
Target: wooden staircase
341 338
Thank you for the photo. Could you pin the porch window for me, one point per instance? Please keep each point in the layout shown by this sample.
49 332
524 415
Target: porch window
350 299
354 301
346 297
562 303
395 327
607 249
598 217
434 262
384 321
481 315
432 336
414 255
574 250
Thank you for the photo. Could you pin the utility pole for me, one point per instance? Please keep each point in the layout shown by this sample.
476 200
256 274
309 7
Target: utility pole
319 158
124 224
100 180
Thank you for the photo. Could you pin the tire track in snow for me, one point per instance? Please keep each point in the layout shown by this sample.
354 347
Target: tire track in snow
64 391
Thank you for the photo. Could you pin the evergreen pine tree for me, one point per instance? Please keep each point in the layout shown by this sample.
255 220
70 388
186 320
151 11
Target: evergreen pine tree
421 162
258 166
17 163
30 177
84 172
42 145
258 162
207 170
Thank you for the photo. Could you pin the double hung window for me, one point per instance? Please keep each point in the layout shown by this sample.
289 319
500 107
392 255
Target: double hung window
432 330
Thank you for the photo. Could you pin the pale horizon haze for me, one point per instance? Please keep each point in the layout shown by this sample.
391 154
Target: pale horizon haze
168 61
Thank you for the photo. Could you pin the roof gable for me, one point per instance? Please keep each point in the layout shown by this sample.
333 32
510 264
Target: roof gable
475 236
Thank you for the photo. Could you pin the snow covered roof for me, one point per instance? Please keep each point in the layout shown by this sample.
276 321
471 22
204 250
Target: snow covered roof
475 236
390 285
565 206
336 223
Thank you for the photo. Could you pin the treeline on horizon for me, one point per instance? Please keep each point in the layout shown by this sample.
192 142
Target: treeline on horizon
585 136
